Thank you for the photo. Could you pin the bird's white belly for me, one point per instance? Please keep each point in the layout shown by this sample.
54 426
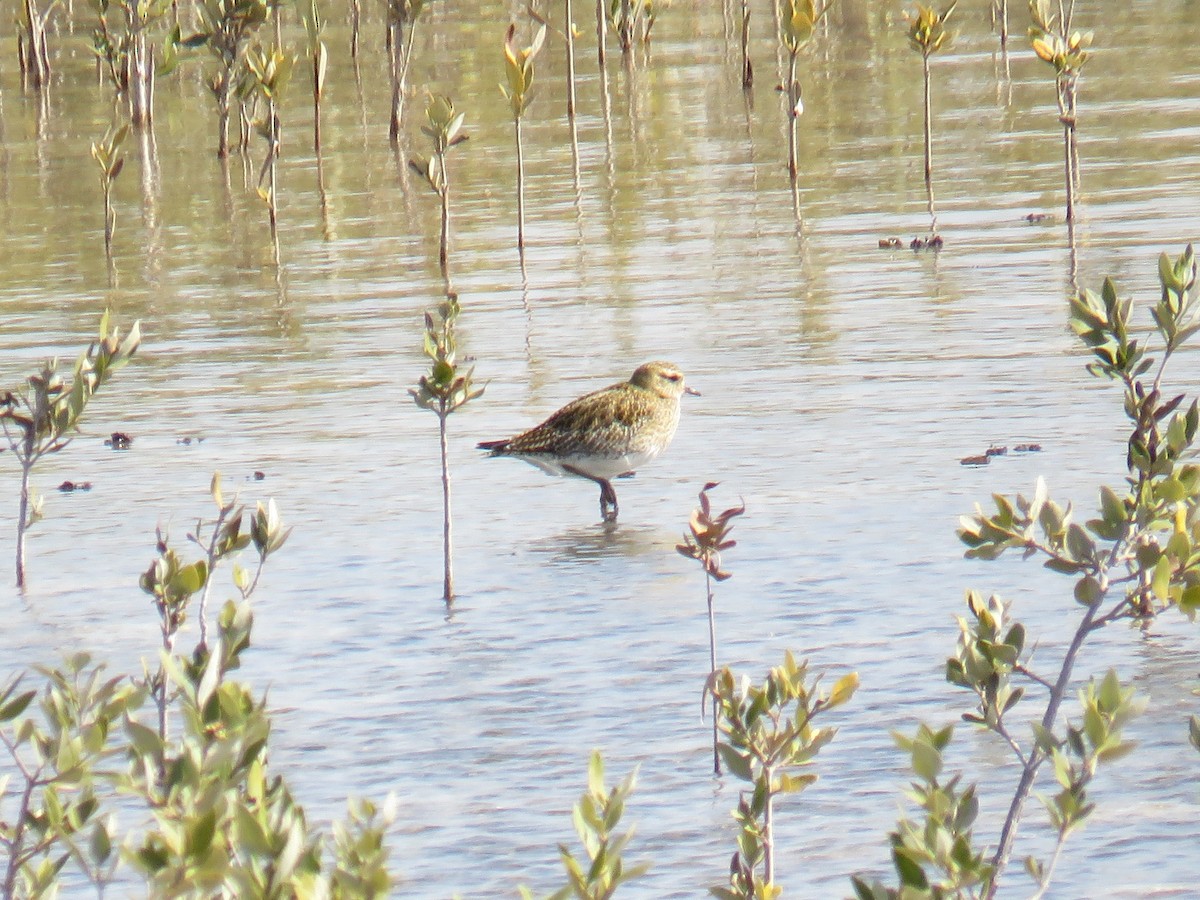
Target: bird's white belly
606 467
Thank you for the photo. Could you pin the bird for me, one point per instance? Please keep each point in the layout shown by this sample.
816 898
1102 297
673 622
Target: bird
609 433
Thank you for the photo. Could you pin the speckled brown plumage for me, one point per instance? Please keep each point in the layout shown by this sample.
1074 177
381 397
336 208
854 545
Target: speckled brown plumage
606 433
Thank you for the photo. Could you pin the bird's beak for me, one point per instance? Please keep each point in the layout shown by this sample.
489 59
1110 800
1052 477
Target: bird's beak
692 391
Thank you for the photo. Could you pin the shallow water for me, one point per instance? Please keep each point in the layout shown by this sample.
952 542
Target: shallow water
841 385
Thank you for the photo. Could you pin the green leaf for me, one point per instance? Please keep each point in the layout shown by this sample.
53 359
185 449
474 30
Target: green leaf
926 760
16 706
737 763
842 690
1088 591
910 871
145 740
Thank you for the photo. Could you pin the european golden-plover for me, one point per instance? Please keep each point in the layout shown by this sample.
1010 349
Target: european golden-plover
605 434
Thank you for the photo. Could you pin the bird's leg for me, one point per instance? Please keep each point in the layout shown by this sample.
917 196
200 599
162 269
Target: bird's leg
608 497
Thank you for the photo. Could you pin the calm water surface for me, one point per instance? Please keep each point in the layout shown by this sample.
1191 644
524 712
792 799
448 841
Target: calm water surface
841 385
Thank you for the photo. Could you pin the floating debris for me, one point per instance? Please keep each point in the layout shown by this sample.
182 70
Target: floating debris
119 441
1034 218
187 440
998 450
934 242
68 486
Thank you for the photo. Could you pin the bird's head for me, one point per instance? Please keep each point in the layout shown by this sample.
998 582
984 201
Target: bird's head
663 379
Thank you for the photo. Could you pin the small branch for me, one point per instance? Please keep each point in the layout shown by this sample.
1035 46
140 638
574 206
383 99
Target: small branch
1048 873
1001 730
1032 676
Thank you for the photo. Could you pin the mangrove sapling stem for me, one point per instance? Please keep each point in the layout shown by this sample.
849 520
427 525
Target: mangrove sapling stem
747 66
933 230
401 55
1048 872
23 817
23 506
768 826
712 658
447 535
1058 693
520 186
793 115
570 33
444 238
601 33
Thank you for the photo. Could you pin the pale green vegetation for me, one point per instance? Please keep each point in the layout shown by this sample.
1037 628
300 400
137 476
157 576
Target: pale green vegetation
707 537
446 388
444 132
42 415
212 816
1065 50
1137 558
927 34
518 68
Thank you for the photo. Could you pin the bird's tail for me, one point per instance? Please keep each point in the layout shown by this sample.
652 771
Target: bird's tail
496 447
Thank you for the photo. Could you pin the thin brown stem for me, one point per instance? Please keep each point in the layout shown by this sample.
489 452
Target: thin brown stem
447 535
1008 833
793 101
23 513
747 66
520 186
712 657
570 32
929 147
768 828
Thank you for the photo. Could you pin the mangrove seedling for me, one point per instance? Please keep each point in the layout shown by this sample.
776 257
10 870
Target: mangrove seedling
216 819
627 16
797 21
518 67
314 27
597 816
1065 51
127 54
40 417
58 749
402 18
32 55
442 391
270 70
927 34
106 153
709 535
226 29
1136 559
769 734
444 131
174 583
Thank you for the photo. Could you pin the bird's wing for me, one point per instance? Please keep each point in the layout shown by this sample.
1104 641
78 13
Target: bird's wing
595 422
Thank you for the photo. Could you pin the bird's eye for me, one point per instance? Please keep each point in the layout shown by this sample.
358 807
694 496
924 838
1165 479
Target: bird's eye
673 376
